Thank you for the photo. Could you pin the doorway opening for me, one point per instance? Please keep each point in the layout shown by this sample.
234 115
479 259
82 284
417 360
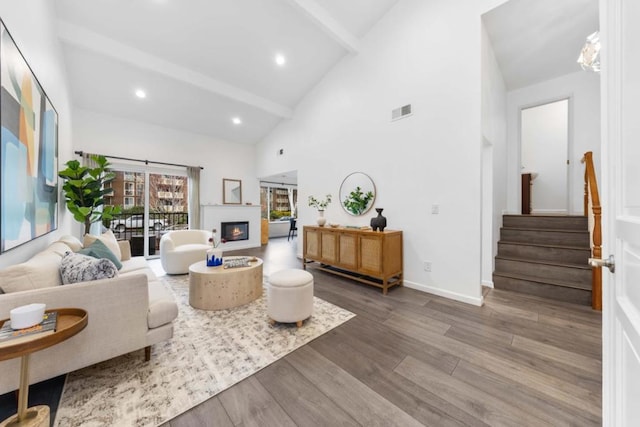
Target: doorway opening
544 155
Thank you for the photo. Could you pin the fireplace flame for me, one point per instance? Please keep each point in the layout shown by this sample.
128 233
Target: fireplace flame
237 232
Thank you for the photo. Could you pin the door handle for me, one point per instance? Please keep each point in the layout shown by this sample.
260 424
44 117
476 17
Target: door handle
610 263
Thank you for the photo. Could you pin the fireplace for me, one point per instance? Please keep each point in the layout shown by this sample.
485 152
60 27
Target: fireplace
233 231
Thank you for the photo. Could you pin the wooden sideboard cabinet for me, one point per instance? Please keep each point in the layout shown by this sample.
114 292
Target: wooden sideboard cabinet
372 257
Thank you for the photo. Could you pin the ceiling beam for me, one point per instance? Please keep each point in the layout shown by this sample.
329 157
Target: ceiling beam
81 37
328 24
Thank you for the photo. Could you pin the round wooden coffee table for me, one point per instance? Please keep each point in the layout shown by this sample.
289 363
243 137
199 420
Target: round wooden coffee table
70 322
218 288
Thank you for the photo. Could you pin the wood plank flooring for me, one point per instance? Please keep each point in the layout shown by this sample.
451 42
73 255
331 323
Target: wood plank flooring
411 358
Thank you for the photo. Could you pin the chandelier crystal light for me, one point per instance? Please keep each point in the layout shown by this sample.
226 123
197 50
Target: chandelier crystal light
589 58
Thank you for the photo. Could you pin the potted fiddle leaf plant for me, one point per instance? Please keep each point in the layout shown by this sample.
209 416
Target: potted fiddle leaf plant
85 190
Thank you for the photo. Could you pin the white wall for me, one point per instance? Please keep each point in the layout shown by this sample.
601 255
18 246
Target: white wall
494 156
102 134
584 129
32 25
426 54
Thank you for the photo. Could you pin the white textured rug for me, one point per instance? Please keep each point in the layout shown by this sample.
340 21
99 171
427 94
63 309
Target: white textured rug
210 351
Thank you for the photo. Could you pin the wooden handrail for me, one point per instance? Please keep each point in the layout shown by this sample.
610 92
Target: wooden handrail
591 193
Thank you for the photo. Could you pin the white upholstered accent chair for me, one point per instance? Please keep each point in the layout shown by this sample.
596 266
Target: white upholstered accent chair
181 248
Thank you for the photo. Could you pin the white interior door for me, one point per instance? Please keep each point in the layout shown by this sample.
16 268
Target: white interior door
621 151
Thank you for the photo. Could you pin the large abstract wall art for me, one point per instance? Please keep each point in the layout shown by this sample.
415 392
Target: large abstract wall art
28 151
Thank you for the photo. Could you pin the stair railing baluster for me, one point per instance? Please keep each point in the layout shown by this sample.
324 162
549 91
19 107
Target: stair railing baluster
591 197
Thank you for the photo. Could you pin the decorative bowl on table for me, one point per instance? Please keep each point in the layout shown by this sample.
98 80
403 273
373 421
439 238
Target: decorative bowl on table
27 315
334 225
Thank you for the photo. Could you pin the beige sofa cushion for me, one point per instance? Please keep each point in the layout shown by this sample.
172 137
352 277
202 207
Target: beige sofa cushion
162 305
108 238
72 241
41 271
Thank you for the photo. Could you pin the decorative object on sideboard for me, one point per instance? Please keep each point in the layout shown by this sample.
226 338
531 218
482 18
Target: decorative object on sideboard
379 222
357 193
231 191
29 162
321 220
320 205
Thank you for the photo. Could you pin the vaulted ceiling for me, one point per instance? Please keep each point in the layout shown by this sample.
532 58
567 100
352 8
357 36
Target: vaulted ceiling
202 63
537 40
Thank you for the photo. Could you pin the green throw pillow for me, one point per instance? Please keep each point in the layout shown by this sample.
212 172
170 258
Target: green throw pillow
99 250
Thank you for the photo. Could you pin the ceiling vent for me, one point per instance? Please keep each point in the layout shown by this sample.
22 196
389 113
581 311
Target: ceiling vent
401 113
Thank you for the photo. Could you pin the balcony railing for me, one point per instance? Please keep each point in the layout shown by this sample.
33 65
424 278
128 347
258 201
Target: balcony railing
131 227
170 195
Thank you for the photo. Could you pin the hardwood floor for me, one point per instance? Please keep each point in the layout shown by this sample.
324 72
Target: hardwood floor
411 358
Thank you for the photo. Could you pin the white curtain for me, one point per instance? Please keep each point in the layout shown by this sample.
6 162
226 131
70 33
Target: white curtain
193 172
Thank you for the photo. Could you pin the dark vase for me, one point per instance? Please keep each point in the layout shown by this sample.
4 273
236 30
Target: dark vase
379 222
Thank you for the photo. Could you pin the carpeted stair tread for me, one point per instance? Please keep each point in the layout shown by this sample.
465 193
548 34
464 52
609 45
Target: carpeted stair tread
543 281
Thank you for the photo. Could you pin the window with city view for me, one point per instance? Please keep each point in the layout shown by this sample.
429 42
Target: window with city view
278 203
167 207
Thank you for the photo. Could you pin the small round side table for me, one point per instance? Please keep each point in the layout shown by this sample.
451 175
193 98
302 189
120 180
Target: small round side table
70 322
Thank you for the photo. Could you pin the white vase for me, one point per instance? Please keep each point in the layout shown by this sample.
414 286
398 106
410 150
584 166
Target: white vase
214 257
321 219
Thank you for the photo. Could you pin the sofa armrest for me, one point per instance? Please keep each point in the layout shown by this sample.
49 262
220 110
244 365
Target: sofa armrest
118 324
125 249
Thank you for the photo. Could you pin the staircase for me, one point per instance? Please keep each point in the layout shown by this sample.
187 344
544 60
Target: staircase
545 256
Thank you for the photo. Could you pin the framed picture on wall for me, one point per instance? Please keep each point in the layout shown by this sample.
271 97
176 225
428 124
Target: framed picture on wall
28 151
231 191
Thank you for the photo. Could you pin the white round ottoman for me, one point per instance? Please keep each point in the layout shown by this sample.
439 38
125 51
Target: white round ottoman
290 296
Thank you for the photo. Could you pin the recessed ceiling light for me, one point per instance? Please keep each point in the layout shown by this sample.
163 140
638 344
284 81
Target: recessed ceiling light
280 59
141 93
236 120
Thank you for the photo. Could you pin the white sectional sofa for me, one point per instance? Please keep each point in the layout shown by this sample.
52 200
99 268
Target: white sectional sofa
126 313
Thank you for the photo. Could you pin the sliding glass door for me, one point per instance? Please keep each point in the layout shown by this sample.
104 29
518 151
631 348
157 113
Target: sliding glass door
153 202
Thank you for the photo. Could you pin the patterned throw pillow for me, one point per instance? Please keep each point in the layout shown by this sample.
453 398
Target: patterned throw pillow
76 268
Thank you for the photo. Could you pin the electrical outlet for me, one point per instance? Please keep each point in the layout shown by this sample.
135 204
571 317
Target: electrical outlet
435 209
427 265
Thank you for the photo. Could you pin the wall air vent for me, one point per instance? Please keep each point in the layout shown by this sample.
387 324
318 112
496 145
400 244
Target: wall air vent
401 113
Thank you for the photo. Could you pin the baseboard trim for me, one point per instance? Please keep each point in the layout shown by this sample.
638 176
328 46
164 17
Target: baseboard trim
487 283
444 293
550 211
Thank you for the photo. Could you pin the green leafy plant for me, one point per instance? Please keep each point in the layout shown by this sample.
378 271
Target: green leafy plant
320 204
84 191
357 202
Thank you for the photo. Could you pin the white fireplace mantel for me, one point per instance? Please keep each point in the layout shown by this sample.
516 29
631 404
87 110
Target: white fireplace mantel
213 215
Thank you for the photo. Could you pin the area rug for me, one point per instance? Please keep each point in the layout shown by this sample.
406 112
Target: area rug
209 352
